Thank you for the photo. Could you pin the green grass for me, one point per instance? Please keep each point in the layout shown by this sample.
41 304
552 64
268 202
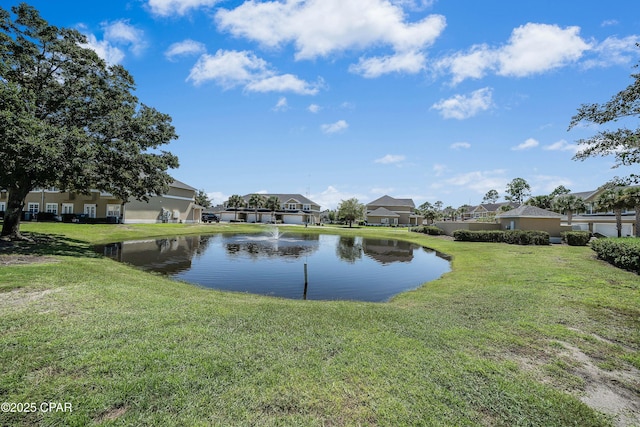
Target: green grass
483 345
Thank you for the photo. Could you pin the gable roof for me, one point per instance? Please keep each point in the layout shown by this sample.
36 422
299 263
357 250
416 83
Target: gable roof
181 185
391 201
383 212
527 211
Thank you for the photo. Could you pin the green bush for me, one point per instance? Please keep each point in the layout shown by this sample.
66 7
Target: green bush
621 252
526 237
431 230
516 237
576 238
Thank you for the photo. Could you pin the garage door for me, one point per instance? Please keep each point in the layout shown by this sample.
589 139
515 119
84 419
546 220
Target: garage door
610 230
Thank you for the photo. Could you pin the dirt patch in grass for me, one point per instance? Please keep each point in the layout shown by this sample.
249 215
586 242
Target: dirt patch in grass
111 414
614 392
20 296
6 260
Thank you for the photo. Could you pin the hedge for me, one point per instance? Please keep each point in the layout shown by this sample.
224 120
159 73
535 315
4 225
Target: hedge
621 252
431 230
517 237
576 238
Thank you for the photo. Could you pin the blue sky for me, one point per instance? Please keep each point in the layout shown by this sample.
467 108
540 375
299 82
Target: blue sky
333 99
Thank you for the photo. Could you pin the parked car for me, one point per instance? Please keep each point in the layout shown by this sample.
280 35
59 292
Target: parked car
209 217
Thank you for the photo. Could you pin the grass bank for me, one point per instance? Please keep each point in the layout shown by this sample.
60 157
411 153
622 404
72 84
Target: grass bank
512 336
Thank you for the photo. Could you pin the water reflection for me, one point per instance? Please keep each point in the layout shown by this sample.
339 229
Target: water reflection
291 265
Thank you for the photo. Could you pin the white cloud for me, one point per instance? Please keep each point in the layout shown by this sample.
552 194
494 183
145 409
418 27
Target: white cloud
230 68
439 169
105 50
283 83
473 64
390 159
462 107
281 105
314 108
527 145
561 145
545 184
531 49
479 181
116 36
331 197
319 28
406 62
338 126
218 197
535 48
459 145
124 33
180 7
184 48
614 51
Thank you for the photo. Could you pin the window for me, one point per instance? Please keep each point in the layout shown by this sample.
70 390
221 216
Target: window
291 206
34 208
3 206
67 208
113 210
90 210
306 207
51 208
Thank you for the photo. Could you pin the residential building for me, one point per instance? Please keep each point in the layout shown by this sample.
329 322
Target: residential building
177 205
294 209
601 222
388 210
489 210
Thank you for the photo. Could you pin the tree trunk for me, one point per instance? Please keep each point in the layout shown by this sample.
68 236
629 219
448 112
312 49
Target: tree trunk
637 220
619 221
569 217
15 204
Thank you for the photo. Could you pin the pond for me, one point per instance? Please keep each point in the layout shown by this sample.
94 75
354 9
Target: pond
289 265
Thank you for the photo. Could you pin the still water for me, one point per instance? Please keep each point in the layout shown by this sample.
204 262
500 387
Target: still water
337 267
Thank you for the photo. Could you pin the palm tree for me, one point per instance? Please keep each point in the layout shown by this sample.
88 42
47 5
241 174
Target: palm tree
632 195
613 199
273 204
257 201
235 201
568 203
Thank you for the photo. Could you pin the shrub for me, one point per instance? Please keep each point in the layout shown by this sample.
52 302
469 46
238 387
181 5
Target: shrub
526 237
576 238
517 237
621 252
431 230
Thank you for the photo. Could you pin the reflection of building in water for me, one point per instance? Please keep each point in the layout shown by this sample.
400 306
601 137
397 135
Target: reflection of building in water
388 251
259 246
167 256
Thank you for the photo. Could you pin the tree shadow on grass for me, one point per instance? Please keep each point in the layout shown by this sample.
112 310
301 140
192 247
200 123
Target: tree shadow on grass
47 244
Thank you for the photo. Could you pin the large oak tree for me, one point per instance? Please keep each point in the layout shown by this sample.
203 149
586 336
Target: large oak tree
70 121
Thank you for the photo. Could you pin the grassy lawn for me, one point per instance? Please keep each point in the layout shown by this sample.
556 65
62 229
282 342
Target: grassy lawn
512 336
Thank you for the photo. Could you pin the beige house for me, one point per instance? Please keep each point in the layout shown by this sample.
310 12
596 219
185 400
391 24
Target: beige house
601 222
294 209
177 205
527 217
388 210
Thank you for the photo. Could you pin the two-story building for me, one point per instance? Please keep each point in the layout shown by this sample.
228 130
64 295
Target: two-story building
177 205
388 210
293 209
